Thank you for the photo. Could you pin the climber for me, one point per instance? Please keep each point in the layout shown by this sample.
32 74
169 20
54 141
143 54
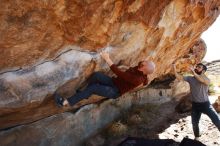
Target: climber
111 87
199 84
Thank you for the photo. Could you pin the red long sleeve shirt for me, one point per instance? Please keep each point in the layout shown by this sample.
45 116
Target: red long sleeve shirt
128 80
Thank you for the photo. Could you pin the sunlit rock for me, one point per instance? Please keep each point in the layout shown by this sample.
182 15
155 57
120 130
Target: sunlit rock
54 45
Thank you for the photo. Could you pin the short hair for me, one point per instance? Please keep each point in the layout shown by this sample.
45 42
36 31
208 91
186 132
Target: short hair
203 66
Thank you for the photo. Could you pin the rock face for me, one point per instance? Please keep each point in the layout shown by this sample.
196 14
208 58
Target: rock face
48 46
216 105
72 129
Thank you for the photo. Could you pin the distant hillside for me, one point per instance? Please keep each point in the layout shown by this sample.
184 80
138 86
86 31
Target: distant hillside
213 72
213 67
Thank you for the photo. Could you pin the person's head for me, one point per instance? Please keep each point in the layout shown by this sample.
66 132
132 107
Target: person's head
146 66
200 68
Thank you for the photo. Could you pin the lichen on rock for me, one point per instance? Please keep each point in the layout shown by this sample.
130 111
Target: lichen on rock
54 45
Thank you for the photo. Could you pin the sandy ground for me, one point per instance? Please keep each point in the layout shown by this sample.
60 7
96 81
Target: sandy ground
210 135
156 122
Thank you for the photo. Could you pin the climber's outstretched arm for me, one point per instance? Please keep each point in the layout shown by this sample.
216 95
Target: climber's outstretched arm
106 57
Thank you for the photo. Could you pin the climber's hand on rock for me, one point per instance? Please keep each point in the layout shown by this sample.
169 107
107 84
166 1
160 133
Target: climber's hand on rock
106 57
192 69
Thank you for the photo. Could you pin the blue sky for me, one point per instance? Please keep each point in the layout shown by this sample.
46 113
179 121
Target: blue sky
212 40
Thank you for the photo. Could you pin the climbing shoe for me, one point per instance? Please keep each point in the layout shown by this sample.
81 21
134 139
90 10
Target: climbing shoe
58 99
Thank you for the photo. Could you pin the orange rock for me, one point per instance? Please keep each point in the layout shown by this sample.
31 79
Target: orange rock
46 45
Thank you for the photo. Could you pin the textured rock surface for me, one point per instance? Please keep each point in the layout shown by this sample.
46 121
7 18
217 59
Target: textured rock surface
154 119
52 45
156 122
64 129
216 105
71 129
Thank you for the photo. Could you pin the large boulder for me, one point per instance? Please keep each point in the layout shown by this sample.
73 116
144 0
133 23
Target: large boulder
74 128
216 105
53 45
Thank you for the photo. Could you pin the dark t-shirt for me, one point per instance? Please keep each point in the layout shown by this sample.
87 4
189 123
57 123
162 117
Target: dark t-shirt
128 80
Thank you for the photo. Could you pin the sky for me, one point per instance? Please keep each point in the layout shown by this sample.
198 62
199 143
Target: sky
212 40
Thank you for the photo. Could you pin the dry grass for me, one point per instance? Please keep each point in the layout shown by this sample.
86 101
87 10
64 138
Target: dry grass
137 115
135 119
117 129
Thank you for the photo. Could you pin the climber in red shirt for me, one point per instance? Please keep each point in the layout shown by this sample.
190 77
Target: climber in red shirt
111 87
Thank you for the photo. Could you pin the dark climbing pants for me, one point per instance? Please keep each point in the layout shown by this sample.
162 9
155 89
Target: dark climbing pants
206 108
98 84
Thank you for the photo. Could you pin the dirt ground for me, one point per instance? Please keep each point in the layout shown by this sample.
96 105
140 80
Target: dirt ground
155 122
